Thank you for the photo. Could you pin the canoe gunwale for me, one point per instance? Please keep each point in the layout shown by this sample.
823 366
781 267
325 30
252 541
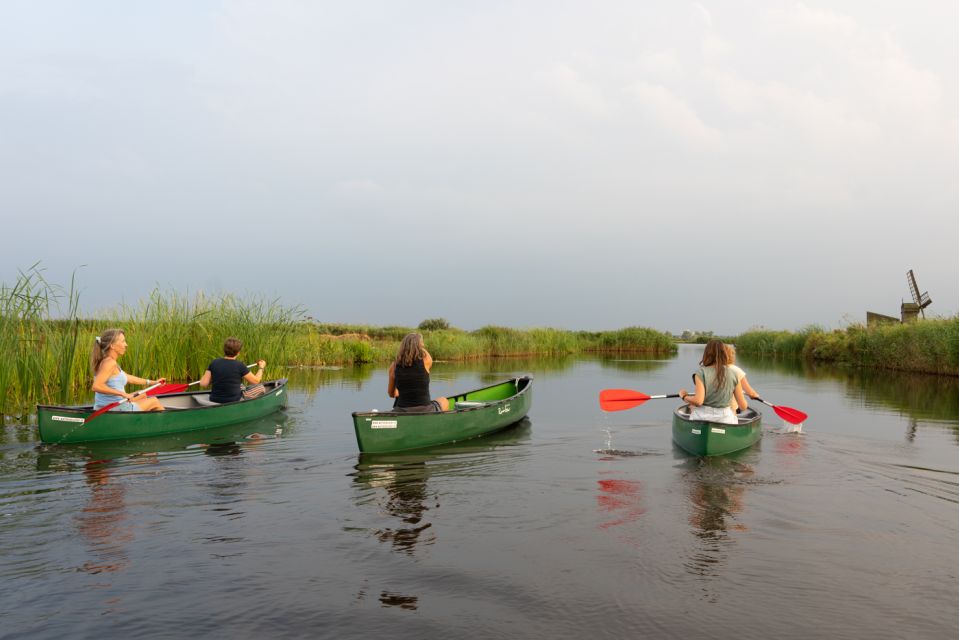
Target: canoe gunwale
683 414
486 404
88 408
396 432
706 438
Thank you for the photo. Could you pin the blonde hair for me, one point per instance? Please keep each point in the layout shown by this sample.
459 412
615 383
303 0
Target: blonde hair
411 350
102 345
730 354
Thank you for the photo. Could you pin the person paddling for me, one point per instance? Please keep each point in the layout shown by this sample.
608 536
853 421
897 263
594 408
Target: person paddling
110 381
409 378
747 389
716 385
227 374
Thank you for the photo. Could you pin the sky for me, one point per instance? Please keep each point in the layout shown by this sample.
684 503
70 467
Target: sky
710 166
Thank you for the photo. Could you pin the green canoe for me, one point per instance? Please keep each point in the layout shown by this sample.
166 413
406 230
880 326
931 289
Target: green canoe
188 411
715 439
472 414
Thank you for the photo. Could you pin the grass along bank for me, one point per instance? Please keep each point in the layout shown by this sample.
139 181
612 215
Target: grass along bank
46 343
926 346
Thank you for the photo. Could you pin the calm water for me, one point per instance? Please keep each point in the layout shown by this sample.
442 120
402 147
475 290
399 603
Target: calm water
572 524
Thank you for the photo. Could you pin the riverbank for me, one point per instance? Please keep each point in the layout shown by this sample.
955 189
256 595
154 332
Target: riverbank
926 346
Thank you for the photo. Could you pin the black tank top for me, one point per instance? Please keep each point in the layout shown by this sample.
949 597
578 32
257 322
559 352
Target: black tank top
413 383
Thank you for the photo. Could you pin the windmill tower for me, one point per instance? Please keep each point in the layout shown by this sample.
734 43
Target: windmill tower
911 310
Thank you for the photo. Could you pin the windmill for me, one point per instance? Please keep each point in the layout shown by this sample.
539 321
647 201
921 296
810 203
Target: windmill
920 301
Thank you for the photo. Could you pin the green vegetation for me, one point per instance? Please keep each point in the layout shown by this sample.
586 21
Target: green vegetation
928 346
46 344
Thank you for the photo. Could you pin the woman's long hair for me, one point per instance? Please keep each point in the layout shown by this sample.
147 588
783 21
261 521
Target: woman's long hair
411 350
714 355
101 345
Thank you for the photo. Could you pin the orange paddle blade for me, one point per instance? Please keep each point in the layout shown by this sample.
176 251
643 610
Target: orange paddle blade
790 415
620 399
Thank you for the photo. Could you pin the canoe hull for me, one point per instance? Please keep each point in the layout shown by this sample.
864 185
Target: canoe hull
473 414
65 425
713 439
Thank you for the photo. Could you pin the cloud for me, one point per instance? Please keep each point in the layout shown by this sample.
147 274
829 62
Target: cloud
673 113
579 93
707 17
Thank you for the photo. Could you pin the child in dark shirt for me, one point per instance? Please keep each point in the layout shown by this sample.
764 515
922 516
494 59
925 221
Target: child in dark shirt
228 374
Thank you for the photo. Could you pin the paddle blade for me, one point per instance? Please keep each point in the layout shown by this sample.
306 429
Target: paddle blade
790 415
620 399
100 411
167 388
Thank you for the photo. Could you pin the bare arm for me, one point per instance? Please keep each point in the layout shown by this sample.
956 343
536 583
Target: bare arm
427 360
740 398
206 378
391 390
748 390
254 378
696 398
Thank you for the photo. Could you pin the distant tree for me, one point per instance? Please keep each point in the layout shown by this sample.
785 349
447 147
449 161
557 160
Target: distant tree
434 324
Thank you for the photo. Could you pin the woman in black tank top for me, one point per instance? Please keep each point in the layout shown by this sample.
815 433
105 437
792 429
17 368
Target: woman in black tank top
409 377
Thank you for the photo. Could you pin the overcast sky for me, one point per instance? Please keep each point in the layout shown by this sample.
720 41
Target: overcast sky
714 165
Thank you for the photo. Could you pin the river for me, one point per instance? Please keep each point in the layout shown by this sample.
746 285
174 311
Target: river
571 524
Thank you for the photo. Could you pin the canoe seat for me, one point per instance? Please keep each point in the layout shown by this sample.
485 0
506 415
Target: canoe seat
465 404
204 401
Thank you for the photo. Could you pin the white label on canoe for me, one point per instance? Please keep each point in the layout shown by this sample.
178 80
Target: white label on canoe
383 424
697 431
279 393
66 419
503 409
715 430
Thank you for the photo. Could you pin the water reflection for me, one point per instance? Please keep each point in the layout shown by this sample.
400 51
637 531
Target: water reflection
635 363
404 496
102 522
920 397
52 457
715 492
399 485
620 501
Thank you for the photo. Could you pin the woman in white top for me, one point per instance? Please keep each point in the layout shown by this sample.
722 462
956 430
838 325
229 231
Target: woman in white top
747 389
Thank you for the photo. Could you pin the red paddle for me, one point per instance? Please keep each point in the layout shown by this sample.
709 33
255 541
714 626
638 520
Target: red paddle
622 399
112 405
790 415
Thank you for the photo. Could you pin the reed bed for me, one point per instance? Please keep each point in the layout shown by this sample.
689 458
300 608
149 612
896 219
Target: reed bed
46 343
927 346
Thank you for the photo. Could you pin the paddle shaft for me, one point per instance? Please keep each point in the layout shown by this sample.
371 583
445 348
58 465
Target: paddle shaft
180 388
113 405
